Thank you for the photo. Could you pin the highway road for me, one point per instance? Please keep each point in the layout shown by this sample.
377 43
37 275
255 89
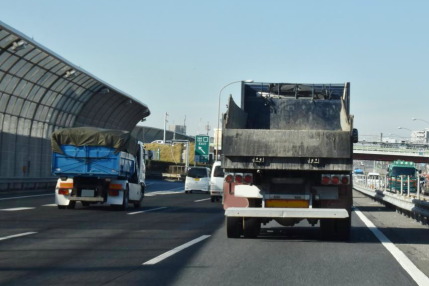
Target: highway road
180 239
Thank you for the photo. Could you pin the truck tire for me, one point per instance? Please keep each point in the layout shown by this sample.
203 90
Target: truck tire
71 205
139 203
234 227
124 205
251 227
336 229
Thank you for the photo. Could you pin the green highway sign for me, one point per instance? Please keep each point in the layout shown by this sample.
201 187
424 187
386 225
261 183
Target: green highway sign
202 148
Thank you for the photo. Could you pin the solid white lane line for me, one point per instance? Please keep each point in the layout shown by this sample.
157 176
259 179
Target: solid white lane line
16 235
418 276
197 201
24 197
16 209
175 250
49 205
145 211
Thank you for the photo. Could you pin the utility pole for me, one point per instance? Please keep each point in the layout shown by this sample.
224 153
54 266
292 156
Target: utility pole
184 124
165 125
208 127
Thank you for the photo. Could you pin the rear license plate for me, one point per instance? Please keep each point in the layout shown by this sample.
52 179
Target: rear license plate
87 193
287 204
197 179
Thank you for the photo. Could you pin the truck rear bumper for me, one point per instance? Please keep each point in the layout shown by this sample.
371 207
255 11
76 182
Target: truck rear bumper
286 213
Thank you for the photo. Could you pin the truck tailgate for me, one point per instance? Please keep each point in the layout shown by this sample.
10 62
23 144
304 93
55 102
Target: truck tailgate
286 143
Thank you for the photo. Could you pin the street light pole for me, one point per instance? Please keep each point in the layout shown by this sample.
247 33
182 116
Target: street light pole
405 128
414 119
218 113
411 135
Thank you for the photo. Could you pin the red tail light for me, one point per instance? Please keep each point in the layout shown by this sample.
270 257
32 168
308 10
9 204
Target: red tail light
229 178
113 193
335 180
238 178
64 192
248 178
326 179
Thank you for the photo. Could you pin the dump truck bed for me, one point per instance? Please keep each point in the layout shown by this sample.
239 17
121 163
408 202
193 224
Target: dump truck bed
92 161
288 127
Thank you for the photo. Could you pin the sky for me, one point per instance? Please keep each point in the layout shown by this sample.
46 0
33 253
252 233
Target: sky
176 56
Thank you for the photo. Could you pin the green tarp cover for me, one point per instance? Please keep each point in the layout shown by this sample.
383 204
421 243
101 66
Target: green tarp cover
90 136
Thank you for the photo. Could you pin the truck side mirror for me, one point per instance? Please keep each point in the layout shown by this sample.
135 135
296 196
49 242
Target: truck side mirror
355 135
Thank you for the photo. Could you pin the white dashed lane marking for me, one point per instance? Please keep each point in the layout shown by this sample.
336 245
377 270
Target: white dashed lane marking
149 210
16 209
197 201
175 250
16 235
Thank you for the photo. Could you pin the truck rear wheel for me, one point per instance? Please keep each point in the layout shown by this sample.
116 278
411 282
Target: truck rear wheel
124 205
251 227
336 229
139 203
71 205
234 227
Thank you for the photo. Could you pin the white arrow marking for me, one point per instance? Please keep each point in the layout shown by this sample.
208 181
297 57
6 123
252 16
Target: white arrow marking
201 149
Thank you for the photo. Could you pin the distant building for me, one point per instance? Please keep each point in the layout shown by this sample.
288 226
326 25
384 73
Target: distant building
420 136
390 140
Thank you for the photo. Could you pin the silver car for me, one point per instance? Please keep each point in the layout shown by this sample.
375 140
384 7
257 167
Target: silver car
197 179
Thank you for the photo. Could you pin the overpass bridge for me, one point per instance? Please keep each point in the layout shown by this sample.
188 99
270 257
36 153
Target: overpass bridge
380 151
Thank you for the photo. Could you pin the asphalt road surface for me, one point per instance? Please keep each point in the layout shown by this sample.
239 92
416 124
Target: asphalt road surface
180 239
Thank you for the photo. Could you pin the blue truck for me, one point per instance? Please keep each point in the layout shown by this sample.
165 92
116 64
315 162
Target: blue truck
97 166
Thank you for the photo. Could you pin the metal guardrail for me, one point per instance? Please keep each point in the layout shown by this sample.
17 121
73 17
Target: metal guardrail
16 184
415 206
176 177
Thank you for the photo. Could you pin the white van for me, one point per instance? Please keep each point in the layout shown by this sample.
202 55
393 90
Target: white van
197 179
216 182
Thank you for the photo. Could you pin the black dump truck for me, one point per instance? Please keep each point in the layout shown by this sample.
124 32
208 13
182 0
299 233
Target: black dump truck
287 156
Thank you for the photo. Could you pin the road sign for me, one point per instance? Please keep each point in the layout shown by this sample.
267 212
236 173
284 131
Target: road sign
202 144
